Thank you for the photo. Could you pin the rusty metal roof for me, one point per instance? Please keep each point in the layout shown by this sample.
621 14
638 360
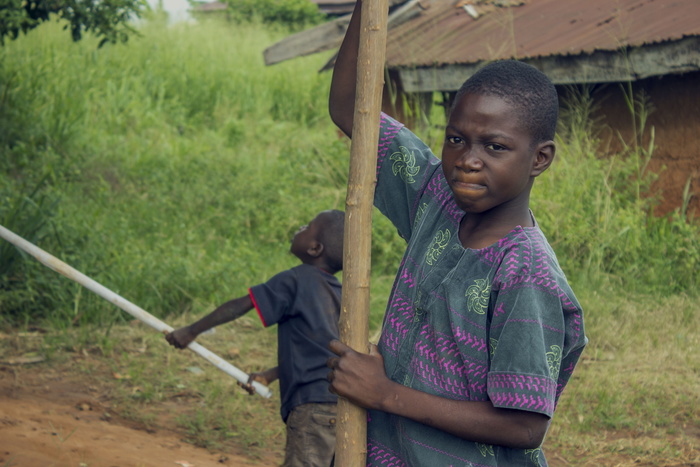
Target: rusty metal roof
458 32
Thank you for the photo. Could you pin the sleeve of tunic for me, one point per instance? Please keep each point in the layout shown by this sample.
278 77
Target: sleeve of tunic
405 166
536 311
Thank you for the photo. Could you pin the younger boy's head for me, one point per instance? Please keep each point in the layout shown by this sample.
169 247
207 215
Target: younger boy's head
320 243
529 91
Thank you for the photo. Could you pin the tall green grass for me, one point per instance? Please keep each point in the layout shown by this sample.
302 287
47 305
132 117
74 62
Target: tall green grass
174 169
596 209
182 163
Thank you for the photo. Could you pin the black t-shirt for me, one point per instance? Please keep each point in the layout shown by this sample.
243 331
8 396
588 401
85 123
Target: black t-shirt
305 304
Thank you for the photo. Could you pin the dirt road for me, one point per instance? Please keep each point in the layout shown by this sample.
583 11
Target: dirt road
55 419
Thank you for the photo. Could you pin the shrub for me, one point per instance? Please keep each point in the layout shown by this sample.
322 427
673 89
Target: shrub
294 14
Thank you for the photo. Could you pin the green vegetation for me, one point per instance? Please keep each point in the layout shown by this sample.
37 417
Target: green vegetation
174 169
108 20
292 14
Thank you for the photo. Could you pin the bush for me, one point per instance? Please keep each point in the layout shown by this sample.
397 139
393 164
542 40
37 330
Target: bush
597 212
294 14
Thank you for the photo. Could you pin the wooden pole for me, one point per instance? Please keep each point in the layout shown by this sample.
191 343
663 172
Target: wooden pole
139 313
351 440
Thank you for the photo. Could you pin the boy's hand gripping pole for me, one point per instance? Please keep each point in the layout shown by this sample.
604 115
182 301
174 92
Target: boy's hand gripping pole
59 266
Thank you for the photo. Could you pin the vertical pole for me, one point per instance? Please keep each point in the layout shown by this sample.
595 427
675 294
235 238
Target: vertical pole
351 442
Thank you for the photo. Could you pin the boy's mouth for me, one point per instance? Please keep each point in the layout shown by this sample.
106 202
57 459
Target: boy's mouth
467 185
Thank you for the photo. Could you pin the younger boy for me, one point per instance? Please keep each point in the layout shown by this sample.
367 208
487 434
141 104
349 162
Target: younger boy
305 304
482 331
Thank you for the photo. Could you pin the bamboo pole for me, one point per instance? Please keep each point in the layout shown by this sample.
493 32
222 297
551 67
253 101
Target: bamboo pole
62 268
351 438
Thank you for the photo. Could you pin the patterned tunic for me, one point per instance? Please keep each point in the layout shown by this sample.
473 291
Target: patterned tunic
497 324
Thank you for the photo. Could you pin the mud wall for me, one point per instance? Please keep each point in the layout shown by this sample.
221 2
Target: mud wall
675 117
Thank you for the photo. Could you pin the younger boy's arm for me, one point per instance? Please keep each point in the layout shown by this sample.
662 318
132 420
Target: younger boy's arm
233 309
341 104
263 377
362 380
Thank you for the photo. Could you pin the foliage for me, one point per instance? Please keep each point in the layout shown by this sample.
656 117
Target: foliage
183 165
170 195
107 19
597 211
294 14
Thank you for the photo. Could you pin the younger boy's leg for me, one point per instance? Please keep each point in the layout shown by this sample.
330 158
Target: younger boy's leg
311 436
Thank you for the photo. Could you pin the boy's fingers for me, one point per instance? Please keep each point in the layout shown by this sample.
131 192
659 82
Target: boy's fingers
338 347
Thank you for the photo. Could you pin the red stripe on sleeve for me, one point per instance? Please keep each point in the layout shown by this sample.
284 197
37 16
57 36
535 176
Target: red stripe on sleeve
255 304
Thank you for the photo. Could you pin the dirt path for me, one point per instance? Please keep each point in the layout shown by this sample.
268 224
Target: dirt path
52 419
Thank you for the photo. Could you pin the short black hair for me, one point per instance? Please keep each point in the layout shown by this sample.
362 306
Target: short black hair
331 236
525 87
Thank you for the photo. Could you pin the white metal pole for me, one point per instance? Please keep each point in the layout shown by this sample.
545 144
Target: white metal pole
135 311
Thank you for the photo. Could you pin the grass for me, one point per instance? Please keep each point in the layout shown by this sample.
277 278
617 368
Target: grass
634 392
174 169
631 400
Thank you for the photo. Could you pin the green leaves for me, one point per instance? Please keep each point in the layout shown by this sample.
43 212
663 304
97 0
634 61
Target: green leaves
294 14
106 19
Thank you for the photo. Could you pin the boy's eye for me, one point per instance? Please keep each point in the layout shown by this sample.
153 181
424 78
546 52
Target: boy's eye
495 147
454 140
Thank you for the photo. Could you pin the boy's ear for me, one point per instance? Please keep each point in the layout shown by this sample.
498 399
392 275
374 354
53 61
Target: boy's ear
315 249
544 155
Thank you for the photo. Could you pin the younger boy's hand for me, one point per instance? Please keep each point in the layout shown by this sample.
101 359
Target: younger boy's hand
180 338
358 377
259 377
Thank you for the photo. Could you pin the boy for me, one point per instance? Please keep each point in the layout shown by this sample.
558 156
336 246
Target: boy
305 302
482 330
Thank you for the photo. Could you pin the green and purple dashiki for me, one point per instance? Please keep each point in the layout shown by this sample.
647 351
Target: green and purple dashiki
497 324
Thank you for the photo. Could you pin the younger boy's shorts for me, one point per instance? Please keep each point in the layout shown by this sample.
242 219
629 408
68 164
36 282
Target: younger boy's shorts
311 435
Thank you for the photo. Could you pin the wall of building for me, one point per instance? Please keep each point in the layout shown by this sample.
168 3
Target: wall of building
675 116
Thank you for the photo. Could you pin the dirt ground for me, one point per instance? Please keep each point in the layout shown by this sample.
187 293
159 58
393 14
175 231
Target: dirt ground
53 415
51 418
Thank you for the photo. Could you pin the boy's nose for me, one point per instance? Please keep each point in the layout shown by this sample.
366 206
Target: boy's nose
470 160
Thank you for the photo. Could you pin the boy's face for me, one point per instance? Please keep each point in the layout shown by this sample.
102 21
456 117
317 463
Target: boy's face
487 156
306 238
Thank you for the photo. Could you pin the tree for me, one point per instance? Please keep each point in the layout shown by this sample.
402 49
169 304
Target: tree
108 19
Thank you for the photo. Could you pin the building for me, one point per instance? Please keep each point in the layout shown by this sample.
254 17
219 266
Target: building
648 47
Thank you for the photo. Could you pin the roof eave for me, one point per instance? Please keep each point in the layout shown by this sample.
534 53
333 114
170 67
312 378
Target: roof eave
600 66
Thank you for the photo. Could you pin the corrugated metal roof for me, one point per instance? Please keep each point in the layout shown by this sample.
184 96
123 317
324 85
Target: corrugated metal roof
446 33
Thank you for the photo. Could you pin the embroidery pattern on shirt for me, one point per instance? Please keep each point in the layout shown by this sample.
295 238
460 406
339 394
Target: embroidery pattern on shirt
440 241
554 361
478 296
493 343
485 449
404 164
419 214
534 455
